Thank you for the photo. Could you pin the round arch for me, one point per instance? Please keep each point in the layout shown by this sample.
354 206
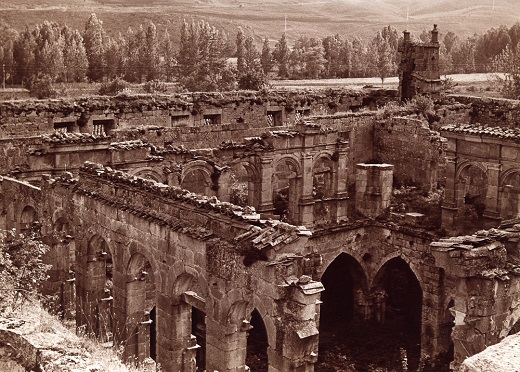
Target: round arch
197 177
286 185
244 183
509 202
28 217
465 164
149 174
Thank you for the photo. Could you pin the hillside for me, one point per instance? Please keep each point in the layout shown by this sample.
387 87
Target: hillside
267 18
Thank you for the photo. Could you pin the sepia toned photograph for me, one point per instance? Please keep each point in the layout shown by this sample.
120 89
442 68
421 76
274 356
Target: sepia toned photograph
263 186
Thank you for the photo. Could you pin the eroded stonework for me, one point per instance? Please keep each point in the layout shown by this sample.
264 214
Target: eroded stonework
184 238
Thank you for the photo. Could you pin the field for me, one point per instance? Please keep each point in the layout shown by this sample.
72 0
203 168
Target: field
267 18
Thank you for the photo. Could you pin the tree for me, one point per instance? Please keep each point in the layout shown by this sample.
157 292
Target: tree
241 66
202 62
253 76
168 61
463 56
94 39
8 37
266 58
281 55
449 41
75 62
509 62
490 45
149 61
24 58
383 57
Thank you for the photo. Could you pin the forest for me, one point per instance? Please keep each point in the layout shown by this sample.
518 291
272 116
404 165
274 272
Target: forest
56 53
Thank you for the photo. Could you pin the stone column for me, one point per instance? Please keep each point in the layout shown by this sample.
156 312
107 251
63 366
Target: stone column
450 204
176 347
373 188
491 214
297 327
137 347
306 201
226 347
224 186
339 185
265 186
89 289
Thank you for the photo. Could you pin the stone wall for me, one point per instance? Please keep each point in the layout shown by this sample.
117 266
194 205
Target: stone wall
191 251
485 290
15 197
105 114
499 112
373 245
416 152
358 129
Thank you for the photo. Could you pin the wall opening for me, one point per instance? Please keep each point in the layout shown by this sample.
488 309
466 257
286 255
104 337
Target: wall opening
103 127
472 188
446 328
242 186
212 119
510 200
153 334
341 314
285 193
399 311
274 118
180 120
198 329
257 343
27 219
64 126
197 181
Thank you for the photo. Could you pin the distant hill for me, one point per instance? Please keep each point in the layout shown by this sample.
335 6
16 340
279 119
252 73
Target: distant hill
267 18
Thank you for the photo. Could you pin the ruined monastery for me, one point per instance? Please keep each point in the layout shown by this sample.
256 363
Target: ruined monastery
182 227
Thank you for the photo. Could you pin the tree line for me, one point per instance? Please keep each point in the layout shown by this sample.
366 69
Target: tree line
201 60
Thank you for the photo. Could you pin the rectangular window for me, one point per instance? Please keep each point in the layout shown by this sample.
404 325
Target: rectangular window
103 127
274 118
64 127
179 120
211 119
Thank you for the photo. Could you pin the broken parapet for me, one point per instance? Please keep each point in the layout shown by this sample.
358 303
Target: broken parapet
373 188
483 281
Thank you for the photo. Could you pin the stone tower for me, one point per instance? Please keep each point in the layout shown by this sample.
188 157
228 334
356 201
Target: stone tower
419 66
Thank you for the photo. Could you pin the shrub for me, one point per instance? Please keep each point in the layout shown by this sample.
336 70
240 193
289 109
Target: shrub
21 267
41 87
113 87
154 86
422 105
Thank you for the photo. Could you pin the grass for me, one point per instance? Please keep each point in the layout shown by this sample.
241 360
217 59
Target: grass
62 349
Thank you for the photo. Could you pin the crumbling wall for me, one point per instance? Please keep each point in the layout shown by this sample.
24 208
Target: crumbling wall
15 195
358 129
374 244
486 290
499 112
416 152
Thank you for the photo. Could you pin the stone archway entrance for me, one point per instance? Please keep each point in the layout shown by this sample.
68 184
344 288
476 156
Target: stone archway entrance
341 312
257 344
398 313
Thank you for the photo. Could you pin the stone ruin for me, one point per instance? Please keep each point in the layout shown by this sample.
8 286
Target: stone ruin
215 231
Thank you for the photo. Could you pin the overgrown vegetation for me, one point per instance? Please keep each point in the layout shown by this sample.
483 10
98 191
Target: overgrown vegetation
407 199
113 88
21 268
509 62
